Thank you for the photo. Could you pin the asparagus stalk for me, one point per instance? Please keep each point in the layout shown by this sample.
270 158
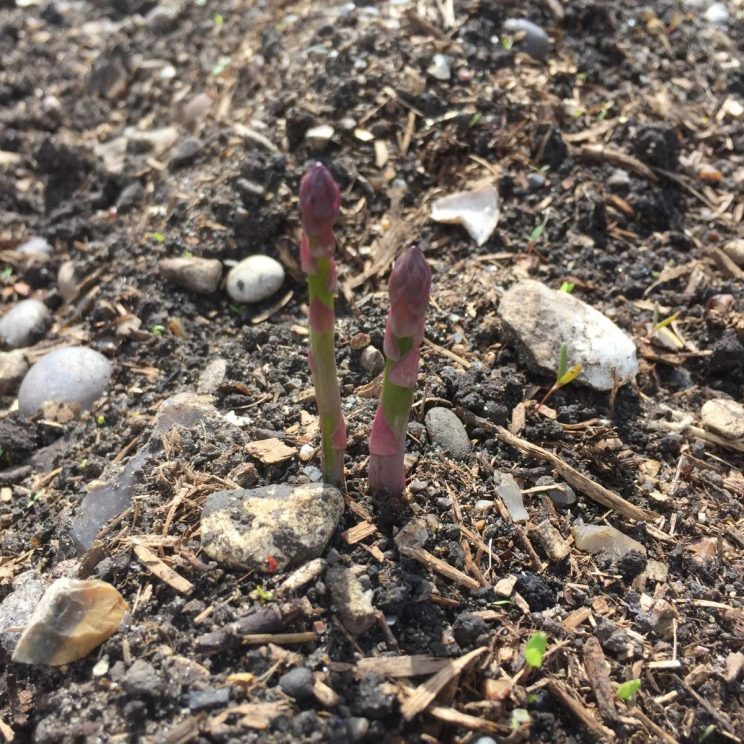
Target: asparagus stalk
320 202
409 288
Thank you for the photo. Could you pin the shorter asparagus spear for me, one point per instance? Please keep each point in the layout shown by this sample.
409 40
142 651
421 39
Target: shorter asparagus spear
409 288
320 202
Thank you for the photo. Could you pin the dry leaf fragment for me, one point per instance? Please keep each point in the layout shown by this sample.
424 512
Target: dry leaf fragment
72 618
270 451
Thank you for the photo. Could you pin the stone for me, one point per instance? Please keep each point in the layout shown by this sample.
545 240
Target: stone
539 320
72 618
511 494
270 528
24 323
717 14
196 108
298 683
440 67
113 494
534 41
75 376
372 361
13 368
447 431
724 417
216 697
199 275
353 604
468 627
130 197
604 538
561 494
735 251
35 246
255 279
67 282
16 609
141 680
212 376
186 152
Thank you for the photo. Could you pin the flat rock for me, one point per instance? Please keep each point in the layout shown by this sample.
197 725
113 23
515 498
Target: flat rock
212 376
76 376
113 494
540 319
724 417
255 279
603 538
270 528
13 368
353 604
447 431
19 605
24 323
72 618
199 275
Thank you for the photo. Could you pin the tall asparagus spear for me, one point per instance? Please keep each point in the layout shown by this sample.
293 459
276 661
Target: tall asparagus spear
409 288
320 202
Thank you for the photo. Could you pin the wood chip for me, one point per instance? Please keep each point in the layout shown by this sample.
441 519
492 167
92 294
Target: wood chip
578 480
279 638
270 451
325 695
160 569
576 618
400 666
577 709
358 532
424 694
597 670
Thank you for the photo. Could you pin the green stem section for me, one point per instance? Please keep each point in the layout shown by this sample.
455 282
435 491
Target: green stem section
325 378
396 404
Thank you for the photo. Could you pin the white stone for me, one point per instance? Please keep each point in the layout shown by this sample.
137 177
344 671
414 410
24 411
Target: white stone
477 211
541 319
717 14
35 245
23 323
75 376
255 279
440 67
724 417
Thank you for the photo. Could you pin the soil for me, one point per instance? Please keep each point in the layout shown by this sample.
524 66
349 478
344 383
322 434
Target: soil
637 234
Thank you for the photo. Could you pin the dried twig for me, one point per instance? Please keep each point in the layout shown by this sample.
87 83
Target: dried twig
424 694
400 666
578 480
576 708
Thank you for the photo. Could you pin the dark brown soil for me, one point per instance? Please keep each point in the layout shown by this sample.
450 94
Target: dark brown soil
654 82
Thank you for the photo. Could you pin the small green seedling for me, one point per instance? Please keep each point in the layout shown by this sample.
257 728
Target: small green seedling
627 690
101 420
158 330
158 237
264 595
564 375
710 729
535 650
567 287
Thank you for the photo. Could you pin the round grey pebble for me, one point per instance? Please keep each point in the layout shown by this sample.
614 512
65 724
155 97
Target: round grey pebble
298 683
447 431
372 361
186 152
536 42
141 680
75 375
561 495
24 323
255 279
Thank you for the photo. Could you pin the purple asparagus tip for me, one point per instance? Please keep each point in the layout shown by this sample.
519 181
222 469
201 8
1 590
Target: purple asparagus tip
409 288
320 199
